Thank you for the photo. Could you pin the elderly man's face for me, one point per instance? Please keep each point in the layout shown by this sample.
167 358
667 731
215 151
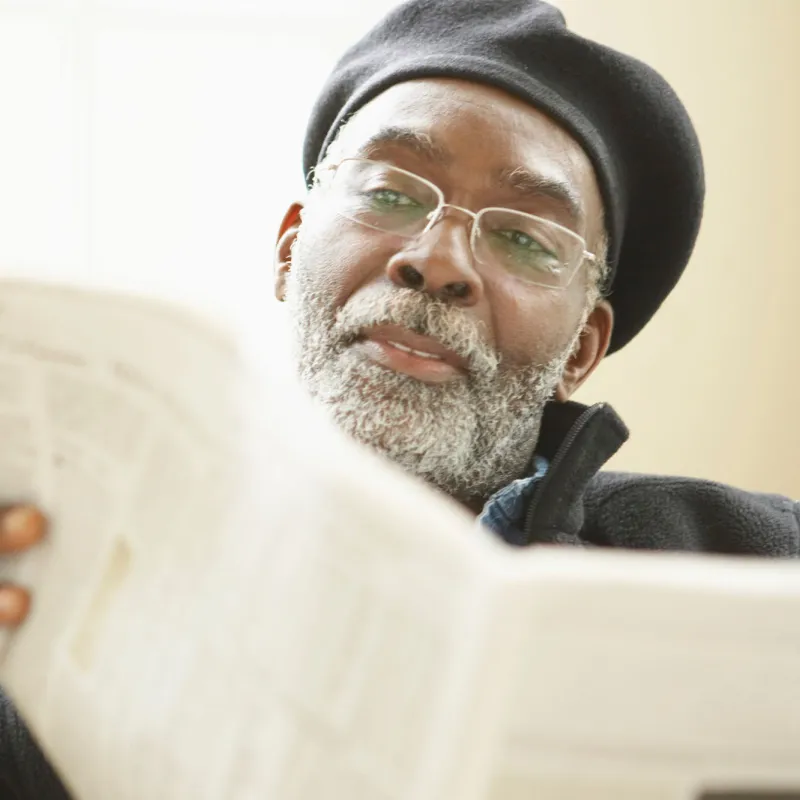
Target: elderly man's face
463 411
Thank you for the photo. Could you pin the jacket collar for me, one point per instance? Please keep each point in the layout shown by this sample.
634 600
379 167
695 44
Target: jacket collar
577 440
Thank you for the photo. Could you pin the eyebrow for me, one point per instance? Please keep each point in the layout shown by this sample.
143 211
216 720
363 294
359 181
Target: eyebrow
524 181
420 143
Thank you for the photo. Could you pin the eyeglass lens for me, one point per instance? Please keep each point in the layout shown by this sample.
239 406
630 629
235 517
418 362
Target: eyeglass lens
384 198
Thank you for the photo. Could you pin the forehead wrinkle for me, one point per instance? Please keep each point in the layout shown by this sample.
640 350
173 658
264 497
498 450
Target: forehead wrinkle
527 182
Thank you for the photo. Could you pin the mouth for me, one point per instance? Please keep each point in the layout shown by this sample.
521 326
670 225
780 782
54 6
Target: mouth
401 350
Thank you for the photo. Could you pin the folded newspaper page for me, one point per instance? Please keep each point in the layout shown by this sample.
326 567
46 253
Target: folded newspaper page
234 602
237 602
651 676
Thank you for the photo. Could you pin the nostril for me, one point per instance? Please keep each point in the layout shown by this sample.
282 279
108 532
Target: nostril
411 277
458 290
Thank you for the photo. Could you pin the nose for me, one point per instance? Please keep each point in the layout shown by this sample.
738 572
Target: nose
440 263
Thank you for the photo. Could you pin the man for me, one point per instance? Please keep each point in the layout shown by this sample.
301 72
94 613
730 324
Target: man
494 205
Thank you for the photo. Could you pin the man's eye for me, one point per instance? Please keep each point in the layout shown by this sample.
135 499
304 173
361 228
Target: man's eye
522 251
524 241
392 198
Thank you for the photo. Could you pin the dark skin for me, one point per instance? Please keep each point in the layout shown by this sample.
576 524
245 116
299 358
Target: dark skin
21 527
479 134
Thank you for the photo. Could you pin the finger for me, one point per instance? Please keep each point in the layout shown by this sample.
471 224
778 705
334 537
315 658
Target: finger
15 603
20 528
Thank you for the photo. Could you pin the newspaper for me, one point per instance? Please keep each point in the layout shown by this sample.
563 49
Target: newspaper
655 677
236 602
233 601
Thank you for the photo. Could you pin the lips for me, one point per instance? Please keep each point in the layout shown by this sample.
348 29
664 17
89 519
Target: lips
419 353
423 346
401 350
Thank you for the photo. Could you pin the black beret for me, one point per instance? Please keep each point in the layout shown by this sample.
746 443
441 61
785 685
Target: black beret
629 121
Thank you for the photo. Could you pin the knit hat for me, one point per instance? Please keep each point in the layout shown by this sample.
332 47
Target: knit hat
629 121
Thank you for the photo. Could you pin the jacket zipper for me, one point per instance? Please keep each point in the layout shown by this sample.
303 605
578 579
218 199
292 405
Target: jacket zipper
566 445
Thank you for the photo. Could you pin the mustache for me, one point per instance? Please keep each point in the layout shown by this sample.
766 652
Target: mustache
422 314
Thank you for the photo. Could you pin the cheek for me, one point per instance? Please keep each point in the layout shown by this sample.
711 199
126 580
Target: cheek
337 257
533 325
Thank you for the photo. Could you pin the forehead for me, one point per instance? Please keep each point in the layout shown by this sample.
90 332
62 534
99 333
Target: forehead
477 131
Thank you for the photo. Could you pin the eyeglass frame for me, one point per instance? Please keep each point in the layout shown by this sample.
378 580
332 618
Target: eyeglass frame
438 214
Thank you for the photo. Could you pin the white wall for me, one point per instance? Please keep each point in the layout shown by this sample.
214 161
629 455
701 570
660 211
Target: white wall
155 143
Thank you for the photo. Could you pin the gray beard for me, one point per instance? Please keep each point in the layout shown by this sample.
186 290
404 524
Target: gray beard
467 437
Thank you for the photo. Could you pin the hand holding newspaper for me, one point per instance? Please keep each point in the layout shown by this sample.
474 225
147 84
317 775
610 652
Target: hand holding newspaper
236 602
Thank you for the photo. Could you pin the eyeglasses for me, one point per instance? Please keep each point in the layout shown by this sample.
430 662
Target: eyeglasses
392 200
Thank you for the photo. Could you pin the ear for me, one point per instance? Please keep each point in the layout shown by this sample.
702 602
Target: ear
589 352
287 234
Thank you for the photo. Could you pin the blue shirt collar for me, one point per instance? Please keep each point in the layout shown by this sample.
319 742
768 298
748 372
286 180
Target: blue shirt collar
504 512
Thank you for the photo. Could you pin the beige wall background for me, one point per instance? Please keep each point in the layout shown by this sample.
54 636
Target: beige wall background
153 144
712 387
